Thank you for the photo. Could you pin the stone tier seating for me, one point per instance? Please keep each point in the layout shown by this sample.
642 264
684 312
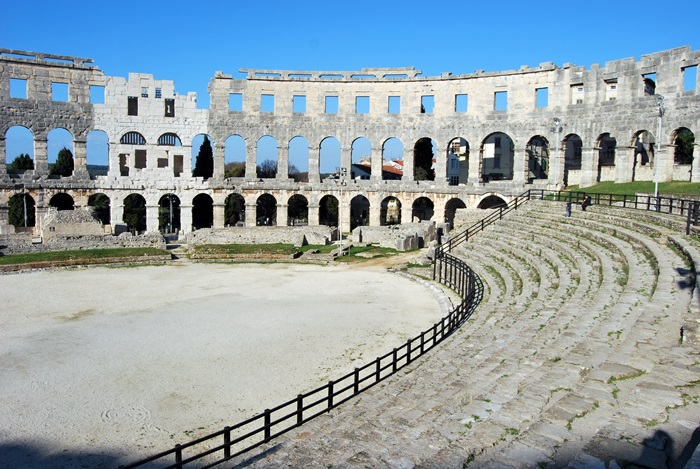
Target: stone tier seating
573 359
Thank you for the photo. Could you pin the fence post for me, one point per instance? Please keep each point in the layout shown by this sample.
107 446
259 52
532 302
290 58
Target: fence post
408 351
356 387
300 409
330 395
227 442
393 361
267 424
422 342
378 371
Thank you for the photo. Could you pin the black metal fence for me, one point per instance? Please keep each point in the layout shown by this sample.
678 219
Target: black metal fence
235 440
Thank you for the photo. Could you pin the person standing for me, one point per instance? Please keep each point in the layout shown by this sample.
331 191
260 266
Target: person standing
568 209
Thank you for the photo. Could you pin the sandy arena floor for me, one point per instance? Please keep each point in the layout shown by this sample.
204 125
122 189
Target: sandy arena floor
102 366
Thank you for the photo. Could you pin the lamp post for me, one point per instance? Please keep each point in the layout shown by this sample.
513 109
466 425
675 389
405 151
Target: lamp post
342 173
558 127
662 109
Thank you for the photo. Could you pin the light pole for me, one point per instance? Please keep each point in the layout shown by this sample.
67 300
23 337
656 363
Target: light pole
342 173
662 109
558 127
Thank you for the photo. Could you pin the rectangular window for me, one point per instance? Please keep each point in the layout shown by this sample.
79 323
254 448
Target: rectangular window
649 84
331 105
133 109
97 94
18 88
500 101
542 97
235 102
299 104
611 90
159 93
394 105
267 103
461 102
427 104
690 78
162 162
169 107
144 92
577 94
59 92
497 142
362 105
140 159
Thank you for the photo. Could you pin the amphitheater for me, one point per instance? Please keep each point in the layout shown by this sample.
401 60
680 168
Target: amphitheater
583 350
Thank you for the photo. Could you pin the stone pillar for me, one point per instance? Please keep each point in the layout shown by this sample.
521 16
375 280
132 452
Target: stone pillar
377 163
185 218
282 214
407 167
3 159
406 213
665 158
116 212
475 159
556 170
520 165
41 156
346 160
695 168
80 159
314 161
283 162
624 164
187 162
314 215
589 166
113 160
346 221
219 215
251 214
250 166
219 152
152 218
440 167
375 212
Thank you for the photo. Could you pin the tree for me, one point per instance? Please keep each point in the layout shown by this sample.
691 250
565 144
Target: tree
21 163
234 209
204 164
64 163
15 208
234 170
267 169
423 160
135 213
683 153
102 207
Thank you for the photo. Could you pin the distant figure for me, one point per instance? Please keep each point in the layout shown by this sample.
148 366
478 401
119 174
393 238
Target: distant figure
586 202
568 209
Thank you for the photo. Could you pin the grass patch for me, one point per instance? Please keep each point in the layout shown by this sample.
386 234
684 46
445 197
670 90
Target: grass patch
78 255
630 188
229 249
365 253
322 248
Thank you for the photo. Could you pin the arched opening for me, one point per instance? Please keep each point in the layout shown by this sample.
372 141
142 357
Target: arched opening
21 210
683 154
297 210
202 212
102 207
266 210
606 157
423 157
135 213
392 159
170 153
19 150
139 158
266 157
457 161
234 157
537 150
359 211
203 159
642 145
361 156
328 211
497 156
62 201
169 214
491 201
97 153
234 210
573 158
423 209
299 159
329 158
390 213
451 208
60 153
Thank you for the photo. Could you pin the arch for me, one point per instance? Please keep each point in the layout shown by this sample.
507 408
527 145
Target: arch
297 210
361 158
423 209
392 159
202 156
62 201
573 159
266 158
537 150
457 168
424 152
169 139
19 143
234 156
329 158
97 153
328 210
202 211
134 215
684 143
497 157
491 201
390 213
169 214
60 152
359 211
132 138
266 210
643 147
606 145
101 206
451 208
234 210
21 210
299 159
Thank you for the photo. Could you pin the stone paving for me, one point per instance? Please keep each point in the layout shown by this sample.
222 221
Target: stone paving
573 359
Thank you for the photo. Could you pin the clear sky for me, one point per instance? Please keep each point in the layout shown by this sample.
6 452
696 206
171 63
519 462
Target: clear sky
188 41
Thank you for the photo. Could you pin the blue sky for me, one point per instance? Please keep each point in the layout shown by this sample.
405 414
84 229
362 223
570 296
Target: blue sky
188 41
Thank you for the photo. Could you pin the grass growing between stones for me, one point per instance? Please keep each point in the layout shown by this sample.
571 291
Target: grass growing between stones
231 249
87 255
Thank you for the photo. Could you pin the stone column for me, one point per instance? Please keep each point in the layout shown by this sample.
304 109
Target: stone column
187 161
377 163
113 160
250 166
282 162
695 168
314 161
624 164
219 152
41 156
375 212
346 160
80 159
3 159
346 215
251 214
406 213
520 165
219 215
589 166
185 218
314 216
556 170
152 218
282 214
665 158
440 167
474 169
408 164
116 212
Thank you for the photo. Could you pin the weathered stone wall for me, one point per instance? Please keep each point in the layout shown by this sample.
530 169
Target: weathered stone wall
296 235
70 223
22 242
403 237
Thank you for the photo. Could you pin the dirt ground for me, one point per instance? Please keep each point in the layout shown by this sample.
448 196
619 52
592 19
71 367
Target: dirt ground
102 366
